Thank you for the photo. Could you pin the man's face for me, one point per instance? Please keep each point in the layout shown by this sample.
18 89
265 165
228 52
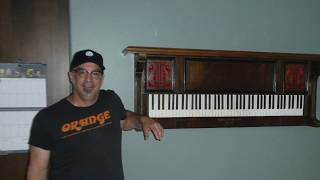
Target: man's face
86 80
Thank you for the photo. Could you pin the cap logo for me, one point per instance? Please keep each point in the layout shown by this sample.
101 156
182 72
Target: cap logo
89 53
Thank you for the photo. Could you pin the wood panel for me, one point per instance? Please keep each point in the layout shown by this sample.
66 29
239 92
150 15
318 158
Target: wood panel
38 31
35 31
245 76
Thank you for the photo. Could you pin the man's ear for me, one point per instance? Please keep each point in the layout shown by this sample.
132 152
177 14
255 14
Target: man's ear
71 77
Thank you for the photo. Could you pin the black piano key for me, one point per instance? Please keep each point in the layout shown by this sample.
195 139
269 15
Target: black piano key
187 101
269 105
258 102
252 101
182 101
284 102
264 102
162 101
218 101
227 101
240 101
177 101
205 102
249 101
200 101
209 101
289 102
158 101
272 99
173 101
237 101
169 103
196 105
152 101
243 102
301 103
192 101
222 102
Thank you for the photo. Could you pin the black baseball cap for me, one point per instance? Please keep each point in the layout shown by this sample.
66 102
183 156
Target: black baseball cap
85 56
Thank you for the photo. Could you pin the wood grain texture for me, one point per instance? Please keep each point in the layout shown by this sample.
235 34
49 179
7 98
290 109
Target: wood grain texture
35 31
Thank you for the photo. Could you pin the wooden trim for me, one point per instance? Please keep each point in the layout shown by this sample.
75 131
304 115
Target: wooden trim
218 53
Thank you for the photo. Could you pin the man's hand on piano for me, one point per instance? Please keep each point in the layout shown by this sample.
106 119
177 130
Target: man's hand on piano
142 123
149 124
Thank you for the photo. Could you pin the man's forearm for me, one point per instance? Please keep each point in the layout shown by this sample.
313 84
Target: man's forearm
145 123
132 121
35 174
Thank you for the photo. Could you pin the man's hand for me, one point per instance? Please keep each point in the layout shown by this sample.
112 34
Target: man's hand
144 123
149 124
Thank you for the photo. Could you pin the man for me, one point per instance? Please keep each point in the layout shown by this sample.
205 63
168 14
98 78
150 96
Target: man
79 137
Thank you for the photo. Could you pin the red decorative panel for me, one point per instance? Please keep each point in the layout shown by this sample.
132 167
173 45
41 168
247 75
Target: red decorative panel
159 75
295 78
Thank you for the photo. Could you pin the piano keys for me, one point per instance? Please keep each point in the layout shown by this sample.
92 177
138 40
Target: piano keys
224 105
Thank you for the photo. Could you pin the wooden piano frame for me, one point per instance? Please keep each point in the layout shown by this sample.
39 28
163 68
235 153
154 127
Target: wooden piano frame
218 71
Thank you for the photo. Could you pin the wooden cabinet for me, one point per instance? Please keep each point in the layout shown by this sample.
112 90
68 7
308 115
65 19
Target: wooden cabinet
35 31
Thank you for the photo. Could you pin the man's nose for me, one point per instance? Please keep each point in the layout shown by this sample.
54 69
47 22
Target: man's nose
88 77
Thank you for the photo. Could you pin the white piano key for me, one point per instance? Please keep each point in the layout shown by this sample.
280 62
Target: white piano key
165 112
150 110
179 113
267 108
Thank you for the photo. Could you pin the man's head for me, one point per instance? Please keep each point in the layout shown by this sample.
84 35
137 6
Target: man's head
85 56
86 74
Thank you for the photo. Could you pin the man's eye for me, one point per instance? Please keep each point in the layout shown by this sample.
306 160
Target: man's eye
81 72
96 73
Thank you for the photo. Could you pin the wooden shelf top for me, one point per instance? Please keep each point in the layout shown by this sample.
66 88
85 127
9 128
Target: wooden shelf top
143 51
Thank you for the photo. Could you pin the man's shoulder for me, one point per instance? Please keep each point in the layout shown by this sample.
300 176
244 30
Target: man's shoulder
57 106
108 92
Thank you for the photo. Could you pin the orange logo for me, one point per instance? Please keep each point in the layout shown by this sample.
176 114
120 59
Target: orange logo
78 125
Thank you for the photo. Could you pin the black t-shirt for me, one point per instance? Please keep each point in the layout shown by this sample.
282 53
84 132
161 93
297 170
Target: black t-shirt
84 142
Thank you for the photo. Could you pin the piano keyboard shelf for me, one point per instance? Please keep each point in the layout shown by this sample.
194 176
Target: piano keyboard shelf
248 89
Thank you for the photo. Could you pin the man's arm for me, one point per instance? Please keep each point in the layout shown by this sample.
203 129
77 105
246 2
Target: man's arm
38 166
139 122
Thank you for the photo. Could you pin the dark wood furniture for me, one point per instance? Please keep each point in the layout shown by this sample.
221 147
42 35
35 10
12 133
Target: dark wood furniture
257 80
35 31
